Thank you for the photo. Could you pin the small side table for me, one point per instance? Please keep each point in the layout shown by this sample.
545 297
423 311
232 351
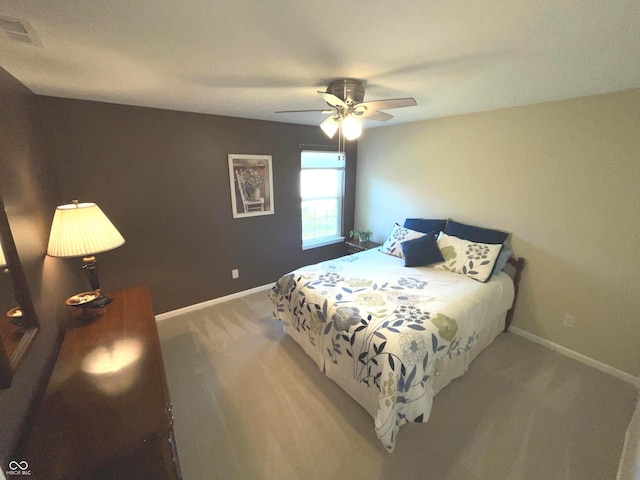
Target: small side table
354 246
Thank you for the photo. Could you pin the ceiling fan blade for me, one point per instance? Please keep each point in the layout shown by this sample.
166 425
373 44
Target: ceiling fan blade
325 111
374 115
390 103
331 99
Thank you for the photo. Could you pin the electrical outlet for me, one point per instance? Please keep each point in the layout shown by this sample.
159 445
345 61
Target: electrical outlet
569 320
235 273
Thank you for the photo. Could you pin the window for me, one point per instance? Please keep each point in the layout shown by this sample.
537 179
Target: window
321 193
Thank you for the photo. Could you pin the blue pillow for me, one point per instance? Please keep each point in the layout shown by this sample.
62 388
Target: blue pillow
424 225
421 251
503 258
475 234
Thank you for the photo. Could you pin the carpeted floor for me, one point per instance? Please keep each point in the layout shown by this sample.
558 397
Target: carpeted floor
249 404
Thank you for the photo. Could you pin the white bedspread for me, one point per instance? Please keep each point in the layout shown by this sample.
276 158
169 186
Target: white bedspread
390 328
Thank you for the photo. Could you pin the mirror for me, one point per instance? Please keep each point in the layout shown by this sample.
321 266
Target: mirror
18 319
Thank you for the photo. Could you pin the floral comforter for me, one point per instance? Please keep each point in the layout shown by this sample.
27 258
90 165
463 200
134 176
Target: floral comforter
395 329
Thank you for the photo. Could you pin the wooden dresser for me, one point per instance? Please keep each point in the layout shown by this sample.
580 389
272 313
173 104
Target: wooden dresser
106 413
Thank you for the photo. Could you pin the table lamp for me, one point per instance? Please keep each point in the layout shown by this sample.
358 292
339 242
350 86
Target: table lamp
83 230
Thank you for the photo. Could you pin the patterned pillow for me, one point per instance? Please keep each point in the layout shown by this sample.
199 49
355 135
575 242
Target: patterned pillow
473 259
393 244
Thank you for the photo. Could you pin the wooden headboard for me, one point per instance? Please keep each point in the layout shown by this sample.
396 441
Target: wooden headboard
518 264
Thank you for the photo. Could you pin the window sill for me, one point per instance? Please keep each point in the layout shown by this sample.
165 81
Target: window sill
321 243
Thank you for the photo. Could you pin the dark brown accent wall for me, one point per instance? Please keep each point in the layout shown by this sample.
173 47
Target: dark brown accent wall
27 188
162 177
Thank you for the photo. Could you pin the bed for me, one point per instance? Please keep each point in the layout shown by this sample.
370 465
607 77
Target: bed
393 336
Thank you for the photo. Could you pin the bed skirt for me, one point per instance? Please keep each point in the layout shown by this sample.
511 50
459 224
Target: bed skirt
367 397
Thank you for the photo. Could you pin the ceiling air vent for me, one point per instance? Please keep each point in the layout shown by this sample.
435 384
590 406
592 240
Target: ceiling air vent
12 29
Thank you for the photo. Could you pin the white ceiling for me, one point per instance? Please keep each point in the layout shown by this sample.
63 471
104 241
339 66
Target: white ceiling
249 58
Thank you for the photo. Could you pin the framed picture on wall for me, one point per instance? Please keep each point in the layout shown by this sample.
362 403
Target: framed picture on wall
251 180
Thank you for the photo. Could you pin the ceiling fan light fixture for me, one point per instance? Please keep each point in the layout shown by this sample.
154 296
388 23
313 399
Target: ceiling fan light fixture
345 96
330 126
351 127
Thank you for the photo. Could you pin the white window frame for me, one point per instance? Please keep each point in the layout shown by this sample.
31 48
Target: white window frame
315 160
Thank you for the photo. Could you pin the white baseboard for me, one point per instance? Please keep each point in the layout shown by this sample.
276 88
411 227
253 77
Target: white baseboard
627 377
192 308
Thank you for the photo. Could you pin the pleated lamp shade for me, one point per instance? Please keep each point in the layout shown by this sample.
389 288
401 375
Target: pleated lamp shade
80 229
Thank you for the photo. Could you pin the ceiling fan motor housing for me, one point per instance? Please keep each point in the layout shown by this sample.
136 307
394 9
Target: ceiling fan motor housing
349 90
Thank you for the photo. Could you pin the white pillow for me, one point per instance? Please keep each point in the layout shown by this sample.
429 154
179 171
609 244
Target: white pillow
393 244
473 259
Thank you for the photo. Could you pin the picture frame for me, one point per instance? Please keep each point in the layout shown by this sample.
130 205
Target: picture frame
251 182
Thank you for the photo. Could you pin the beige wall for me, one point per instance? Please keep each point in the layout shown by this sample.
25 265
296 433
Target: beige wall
563 177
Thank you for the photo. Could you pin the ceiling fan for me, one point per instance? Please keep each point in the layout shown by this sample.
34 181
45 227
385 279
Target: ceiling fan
346 96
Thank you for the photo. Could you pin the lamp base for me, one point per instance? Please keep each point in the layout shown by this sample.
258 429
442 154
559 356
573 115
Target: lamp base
90 268
100 302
